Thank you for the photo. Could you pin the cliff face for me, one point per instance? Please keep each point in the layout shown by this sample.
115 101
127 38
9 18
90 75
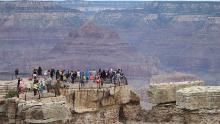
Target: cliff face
85 106
169 113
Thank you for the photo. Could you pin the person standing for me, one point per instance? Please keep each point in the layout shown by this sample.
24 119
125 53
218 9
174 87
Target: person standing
103 77
16 72
39 71
46 73
21 86
87 75
34 76
41 87
18 85
73 76
52 72
57 74
62 75
49 84
98 81
82 79
35 87
57 88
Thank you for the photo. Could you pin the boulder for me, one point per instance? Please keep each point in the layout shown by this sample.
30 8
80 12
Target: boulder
124 94
166 92
199 97
46 110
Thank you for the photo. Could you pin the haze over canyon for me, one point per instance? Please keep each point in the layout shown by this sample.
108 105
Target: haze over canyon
143 38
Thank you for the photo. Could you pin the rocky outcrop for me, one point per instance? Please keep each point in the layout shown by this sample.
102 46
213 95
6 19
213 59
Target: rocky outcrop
107 105
81 106
166 92
108 114
192 105
47 110
6 86
169 113
198 97
11 109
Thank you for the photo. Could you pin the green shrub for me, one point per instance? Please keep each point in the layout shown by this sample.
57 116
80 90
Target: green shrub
11 93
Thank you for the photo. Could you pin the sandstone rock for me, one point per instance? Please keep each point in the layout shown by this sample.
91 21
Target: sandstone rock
105 115
2 106
11 109
166 92
47 110
169 114
81 106
124 94
86 100
6 86
131 111
199 97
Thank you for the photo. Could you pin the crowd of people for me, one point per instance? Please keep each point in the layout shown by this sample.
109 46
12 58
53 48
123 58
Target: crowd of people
42 79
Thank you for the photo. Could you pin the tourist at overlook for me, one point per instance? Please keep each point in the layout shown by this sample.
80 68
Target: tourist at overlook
118 76
73 76
103 77
46 73
87 75
49 84
81 74
67 75
16 72
39 71
98 81
91 76
78 74
21 86
57 74
61 75
52 72
18 85
57 88
34 74
41 86
35 87
82 80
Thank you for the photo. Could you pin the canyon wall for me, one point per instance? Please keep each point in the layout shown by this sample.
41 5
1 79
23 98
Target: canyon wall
162 36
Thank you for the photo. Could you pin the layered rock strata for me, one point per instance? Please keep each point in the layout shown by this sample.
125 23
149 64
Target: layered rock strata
192 104
168 113
199 97
166 92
